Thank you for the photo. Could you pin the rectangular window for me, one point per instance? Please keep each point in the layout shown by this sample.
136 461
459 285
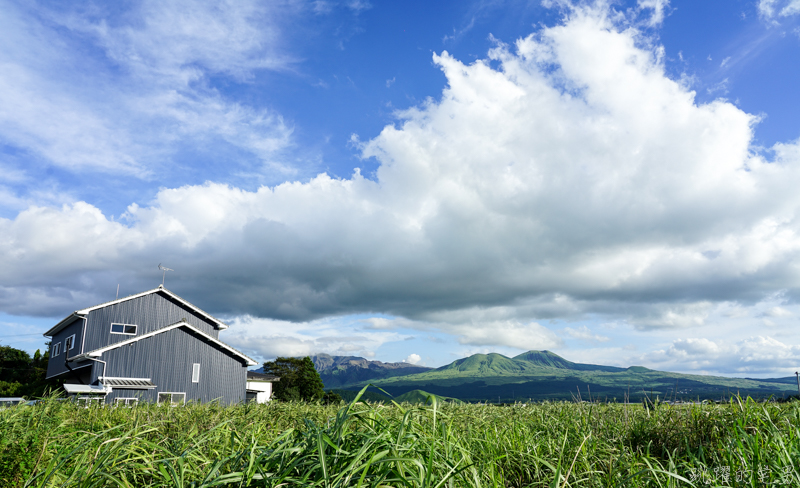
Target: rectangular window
69 344
196 373
126 329
89 401
128 402
56 349
172 398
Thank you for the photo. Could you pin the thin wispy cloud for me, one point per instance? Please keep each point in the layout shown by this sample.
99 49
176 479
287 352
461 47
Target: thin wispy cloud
128 116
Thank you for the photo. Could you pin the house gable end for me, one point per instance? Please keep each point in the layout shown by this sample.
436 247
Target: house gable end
120 321
68 341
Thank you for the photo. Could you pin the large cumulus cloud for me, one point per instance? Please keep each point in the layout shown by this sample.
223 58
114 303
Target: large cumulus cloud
563 175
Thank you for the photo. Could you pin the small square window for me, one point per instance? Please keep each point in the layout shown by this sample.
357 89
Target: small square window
56 349
126 329
69 344
196 373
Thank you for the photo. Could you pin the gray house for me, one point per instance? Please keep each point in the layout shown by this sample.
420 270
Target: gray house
149 347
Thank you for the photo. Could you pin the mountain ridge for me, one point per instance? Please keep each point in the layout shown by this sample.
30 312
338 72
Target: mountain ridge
544 375
537 375
338 371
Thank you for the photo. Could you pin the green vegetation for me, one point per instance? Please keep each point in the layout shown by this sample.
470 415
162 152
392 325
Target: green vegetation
370 395
553 444
299 381
23 375
419 396
543 375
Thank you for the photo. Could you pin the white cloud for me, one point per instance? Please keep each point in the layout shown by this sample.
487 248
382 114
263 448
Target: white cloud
152 73
266 339
585 334
672 316
766 8
658 7
575 178
381 323
358 5
778 312
770 9
754 355
413 359
508 333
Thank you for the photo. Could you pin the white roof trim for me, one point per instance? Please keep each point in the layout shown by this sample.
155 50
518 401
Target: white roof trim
102 390
81 313
220 324
68 320
99 352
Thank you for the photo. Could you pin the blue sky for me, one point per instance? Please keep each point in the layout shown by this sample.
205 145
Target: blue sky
420 181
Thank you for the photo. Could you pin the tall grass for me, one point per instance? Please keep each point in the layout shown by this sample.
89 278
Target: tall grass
545 445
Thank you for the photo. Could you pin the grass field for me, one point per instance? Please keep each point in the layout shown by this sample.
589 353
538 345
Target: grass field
562 444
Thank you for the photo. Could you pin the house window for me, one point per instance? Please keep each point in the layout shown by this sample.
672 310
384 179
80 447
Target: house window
196 373
172 398
126 329
89 401
56 349
128 402
69 344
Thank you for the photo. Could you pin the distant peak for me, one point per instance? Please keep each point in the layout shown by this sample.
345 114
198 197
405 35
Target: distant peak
527 356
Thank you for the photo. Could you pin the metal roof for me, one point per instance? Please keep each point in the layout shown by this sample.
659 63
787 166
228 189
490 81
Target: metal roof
130 383
83 312
99 352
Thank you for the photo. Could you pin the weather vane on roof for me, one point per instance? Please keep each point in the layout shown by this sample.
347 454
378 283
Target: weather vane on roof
164 275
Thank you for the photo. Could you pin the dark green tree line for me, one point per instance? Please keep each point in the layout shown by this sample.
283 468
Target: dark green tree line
299 381
23 375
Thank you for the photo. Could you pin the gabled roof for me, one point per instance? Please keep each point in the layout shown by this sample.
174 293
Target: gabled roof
78 314
99 352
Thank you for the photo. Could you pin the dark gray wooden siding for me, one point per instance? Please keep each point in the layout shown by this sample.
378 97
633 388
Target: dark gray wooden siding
56 365
149 312
167 360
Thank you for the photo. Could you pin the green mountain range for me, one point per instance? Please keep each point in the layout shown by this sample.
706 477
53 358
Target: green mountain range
541 375
341 371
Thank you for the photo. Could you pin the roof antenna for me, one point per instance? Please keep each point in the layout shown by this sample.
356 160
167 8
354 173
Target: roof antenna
164 275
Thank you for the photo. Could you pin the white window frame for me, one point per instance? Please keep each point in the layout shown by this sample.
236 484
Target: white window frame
135 329
196 373
172 394
88 401
56 349
126 402
69 343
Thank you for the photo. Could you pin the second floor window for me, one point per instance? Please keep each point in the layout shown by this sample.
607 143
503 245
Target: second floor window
56 349
127 329
69 343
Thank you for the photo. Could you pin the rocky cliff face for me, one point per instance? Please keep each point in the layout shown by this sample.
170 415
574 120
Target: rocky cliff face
340 371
